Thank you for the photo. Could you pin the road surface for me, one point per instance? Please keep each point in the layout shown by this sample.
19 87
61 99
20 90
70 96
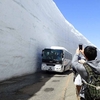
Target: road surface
38 86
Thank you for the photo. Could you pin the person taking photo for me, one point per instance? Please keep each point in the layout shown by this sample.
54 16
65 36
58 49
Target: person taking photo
90 54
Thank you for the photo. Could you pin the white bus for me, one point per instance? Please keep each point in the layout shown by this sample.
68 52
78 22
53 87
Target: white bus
56 59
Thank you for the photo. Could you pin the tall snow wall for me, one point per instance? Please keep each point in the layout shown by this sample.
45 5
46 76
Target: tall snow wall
28 26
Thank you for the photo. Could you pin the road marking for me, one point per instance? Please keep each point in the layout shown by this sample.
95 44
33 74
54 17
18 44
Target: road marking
66 86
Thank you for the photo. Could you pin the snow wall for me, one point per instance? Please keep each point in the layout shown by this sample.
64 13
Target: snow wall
28 26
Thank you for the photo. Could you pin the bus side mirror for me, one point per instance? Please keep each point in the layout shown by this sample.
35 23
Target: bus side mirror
62 55
42 52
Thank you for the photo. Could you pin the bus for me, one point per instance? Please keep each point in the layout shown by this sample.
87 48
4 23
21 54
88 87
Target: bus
56 59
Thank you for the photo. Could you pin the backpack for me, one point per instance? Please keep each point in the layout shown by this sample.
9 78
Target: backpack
92 91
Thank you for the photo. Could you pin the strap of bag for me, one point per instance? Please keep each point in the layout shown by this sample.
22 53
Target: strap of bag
97 87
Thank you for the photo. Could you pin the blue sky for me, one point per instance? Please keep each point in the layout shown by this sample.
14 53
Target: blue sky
84 15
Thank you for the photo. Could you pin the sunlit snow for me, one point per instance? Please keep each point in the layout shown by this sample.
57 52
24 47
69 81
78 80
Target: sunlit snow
28 26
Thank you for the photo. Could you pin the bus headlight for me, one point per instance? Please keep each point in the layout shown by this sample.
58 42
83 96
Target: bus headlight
43 65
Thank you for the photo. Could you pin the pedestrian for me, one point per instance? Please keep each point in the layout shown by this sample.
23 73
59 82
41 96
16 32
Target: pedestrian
78 83
77 79
90 54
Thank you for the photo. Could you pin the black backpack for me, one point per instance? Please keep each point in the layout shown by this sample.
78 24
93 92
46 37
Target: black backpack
92 90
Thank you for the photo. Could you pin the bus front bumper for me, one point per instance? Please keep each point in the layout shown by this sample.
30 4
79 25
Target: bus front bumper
56 68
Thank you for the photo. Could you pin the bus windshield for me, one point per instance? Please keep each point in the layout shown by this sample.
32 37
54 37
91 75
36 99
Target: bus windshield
52 55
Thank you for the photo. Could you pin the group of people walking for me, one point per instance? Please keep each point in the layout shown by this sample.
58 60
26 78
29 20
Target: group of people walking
86 69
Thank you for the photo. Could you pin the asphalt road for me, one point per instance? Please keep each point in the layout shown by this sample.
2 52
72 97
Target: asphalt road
38 86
